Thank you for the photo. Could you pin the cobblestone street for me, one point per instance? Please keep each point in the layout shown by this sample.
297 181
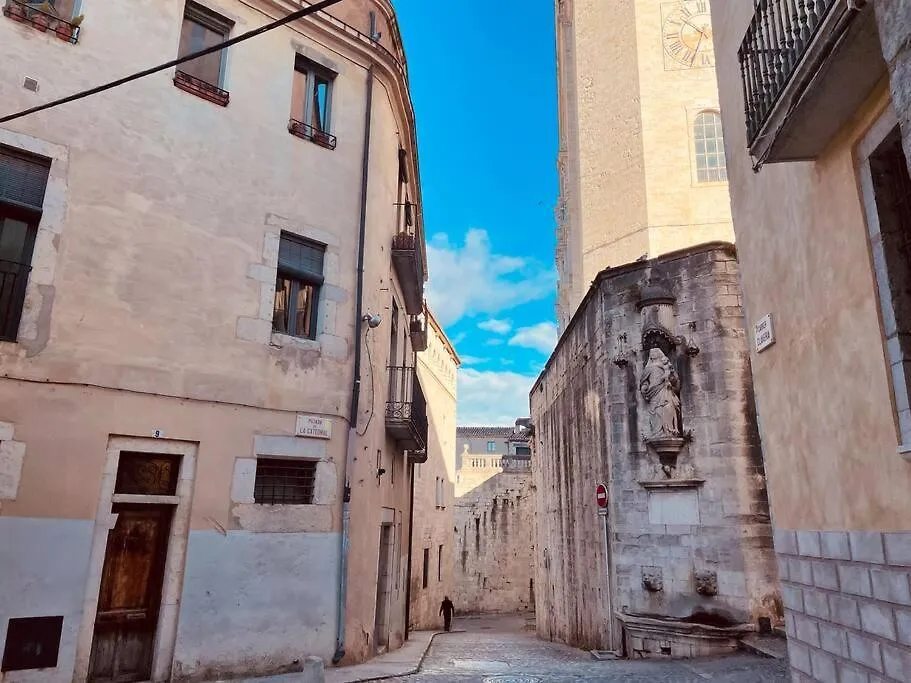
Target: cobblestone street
501 650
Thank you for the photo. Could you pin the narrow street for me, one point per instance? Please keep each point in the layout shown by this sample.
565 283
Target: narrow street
503 650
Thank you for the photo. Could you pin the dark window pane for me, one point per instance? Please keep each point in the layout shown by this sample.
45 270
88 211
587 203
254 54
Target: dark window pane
282 308
14 239
147 474
303 312
194 37
284 482
301 255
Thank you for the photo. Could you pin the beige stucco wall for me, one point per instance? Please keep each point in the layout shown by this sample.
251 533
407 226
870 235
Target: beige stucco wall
432 517
823 392
149 305
628 185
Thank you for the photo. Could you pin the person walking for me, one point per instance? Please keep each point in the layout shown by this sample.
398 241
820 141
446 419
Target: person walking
447 609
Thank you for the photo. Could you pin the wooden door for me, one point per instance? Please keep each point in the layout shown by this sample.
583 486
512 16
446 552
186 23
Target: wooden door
130 596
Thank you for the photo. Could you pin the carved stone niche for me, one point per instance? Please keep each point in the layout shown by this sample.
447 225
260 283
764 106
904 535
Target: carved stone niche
659 383
652 579
706 582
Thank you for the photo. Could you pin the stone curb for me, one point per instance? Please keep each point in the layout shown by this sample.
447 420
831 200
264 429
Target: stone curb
409 672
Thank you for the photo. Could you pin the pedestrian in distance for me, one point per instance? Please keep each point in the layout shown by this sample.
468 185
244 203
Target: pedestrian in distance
447 609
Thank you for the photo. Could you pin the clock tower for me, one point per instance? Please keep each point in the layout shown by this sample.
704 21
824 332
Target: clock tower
641 160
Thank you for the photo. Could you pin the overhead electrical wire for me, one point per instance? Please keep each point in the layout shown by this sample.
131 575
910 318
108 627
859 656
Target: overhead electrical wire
293 16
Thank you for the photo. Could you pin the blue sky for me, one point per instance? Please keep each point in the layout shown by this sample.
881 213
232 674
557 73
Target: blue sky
483 80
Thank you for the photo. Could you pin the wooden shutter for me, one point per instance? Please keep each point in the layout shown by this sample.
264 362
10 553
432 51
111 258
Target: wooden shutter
23 178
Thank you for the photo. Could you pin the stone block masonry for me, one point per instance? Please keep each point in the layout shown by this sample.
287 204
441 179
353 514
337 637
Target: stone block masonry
849 617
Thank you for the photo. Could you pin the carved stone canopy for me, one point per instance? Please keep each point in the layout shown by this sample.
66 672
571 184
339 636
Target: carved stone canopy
656 291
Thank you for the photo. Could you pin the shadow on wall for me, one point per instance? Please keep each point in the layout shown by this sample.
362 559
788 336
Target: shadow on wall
494 542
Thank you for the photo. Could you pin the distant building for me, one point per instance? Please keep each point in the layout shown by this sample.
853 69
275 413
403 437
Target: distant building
816 100
494 520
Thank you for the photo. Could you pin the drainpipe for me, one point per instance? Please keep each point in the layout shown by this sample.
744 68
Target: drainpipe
356 386
410 543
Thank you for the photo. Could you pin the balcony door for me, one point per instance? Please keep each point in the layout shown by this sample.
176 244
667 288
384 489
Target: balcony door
18 228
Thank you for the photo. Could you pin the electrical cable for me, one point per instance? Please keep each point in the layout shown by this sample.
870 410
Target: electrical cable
293 16
372 385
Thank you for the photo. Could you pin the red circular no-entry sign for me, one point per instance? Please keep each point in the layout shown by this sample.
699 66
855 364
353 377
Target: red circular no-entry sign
601 495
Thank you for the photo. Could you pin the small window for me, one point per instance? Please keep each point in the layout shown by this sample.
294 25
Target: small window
491 446
523 450
440 498
284 482
426 567
203 28
311 100
710 164
23 180
147 474
297 286
440 564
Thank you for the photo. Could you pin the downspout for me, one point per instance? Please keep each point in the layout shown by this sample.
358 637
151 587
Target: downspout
410 543
356 386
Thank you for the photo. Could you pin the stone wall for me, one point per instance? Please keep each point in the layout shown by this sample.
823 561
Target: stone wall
494 544
849 603
704 519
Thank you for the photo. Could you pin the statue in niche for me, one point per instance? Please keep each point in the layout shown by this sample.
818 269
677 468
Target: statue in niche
660 387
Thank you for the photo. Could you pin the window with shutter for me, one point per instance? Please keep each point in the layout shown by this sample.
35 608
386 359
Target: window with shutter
23 181
297 285
203 76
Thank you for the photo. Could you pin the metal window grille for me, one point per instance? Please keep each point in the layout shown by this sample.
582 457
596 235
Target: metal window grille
284 482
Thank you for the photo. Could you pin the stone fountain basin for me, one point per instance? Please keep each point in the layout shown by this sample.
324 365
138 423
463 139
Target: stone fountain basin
648 636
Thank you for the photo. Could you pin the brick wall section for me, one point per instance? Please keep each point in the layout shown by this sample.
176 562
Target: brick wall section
847 598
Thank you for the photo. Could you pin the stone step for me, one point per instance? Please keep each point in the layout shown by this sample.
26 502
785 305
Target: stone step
772 646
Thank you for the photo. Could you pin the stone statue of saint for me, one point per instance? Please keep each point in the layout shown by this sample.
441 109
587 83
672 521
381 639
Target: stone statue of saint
660 387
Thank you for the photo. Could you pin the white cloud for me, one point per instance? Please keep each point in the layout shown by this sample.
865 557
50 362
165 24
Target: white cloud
492 398
496 326
541 337
472 360
494 342
468 279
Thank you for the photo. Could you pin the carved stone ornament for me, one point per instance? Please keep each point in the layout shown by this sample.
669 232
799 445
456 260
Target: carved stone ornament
660 387
706 582
652 579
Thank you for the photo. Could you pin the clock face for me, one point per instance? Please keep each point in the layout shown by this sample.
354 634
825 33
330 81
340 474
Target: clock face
687 35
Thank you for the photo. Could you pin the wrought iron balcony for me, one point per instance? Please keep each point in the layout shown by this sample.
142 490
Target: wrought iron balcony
42 16
406 409
13 280
308 132
408 260
201 88
806 66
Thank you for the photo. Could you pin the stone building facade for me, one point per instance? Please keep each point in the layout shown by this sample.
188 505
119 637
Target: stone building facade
640 156
818 142
494 521
649 393
184 329
432 543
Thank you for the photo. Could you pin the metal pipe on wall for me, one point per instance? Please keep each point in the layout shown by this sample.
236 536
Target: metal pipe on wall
356 384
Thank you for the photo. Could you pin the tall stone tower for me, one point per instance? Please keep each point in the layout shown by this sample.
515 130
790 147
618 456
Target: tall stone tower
641 159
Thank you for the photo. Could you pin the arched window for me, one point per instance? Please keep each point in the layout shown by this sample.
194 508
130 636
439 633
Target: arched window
710 164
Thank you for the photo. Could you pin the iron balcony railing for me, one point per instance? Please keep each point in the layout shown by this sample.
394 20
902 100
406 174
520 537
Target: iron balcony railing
308 132
201 88
777 39
42 16
13 280
406 406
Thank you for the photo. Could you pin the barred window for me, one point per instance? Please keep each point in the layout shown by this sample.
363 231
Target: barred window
710 163
284 482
